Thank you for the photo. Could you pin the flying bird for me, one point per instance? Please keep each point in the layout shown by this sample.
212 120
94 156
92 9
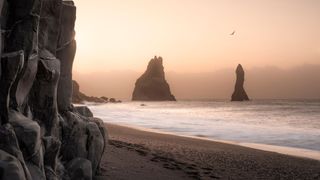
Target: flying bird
233 33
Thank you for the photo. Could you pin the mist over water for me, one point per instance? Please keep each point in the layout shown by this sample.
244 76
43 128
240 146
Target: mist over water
289 123
300 82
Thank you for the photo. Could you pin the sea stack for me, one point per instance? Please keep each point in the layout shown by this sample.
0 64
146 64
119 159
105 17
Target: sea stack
152 85
239 93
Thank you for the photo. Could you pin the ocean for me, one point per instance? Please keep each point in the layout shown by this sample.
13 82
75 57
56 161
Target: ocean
286 123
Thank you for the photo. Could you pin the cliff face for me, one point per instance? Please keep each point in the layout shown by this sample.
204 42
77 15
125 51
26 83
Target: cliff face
239 93
42 136
152 86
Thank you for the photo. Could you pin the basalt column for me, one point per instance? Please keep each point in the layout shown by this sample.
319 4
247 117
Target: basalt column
84 139
19 61
21 27
66 52
41 135
44 92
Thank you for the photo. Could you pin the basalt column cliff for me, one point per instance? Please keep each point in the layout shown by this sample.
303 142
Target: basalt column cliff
152 85
239 93
42 136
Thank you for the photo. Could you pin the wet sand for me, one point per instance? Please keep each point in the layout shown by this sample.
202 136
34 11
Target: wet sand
138 154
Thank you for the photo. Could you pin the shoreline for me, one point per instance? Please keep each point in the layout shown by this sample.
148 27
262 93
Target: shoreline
138 154
291 151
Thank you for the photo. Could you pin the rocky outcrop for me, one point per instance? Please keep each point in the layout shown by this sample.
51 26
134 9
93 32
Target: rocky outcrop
42 136
239 93
152 85
79 98
84 111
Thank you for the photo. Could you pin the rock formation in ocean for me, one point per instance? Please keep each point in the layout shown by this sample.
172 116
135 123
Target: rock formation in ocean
152 85
79 98
239 93
42 136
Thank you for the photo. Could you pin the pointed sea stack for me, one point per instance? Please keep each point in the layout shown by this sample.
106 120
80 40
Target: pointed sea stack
239 93
152 85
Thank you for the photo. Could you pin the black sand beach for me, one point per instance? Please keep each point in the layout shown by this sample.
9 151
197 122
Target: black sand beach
137 154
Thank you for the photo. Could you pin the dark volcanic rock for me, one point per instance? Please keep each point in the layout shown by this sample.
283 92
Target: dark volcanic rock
113 100
22 26
82 138
78 97
105 98
66 53
84 111
76 94
41 133
239 93
78 169
10 145
152 85
11 65
11 168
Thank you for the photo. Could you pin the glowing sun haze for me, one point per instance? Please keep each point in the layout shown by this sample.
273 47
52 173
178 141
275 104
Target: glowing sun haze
194 35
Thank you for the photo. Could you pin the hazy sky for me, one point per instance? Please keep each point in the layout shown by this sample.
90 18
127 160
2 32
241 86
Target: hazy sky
193 35
261 83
